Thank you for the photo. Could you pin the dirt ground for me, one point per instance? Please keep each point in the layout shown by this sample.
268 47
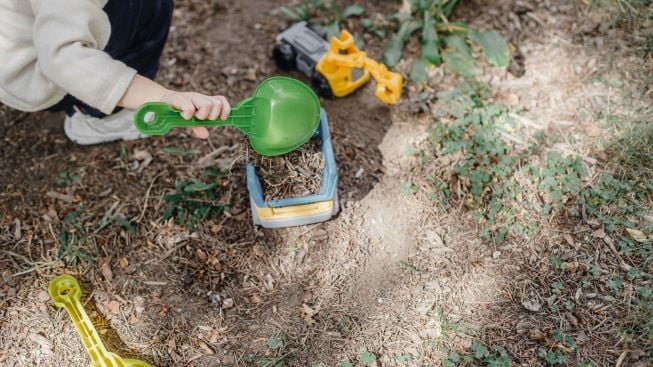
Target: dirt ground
389 275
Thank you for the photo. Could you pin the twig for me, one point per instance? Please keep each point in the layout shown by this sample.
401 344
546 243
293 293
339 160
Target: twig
165 256
147 196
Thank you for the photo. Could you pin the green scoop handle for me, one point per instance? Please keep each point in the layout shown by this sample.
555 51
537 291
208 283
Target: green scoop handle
282 114
158 118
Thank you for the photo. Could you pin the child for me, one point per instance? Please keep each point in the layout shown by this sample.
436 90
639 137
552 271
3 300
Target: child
91 58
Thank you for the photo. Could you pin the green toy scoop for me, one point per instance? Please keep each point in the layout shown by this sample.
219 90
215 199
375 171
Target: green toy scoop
281 116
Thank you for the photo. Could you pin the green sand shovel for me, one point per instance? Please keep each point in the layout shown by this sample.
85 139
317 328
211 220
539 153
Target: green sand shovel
281 116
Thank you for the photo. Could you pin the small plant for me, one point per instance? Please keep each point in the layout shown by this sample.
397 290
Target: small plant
553 357
484 164
559 177
192 202
403 358
180 152
408 188
479 356
556 263
614 284
558 355
441 40
66 179
586 364
367 358
77 231
278 341
329 12
278 344
451 360
72 235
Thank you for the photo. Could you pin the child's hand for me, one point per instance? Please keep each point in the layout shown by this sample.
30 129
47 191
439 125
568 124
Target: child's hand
142 90
201 106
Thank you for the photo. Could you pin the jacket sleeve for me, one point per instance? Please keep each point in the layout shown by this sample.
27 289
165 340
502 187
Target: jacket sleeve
69 36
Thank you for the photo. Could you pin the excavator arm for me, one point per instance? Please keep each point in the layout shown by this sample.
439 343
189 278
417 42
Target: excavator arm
343 57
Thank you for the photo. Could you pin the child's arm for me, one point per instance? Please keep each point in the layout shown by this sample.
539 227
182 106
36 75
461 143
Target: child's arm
69 36
142 90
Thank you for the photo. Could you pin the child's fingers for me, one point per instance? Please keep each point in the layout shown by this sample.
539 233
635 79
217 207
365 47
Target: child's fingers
217 107
226 108
204 106
186 107
200 132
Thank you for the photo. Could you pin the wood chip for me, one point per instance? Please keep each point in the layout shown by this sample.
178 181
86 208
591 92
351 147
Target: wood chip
531 305
293 175
59 196
105 268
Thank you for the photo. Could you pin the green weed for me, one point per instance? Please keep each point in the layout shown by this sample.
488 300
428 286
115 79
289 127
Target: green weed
329 13
488 172
403 358
278 344
76 232
492 175
180 152
72 235
193 202
442 41
557 355
479 355
66 179
367 358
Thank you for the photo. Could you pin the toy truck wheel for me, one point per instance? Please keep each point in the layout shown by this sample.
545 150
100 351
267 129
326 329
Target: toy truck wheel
321 85
284 56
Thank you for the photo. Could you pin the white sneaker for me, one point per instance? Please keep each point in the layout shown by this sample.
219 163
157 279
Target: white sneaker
86 130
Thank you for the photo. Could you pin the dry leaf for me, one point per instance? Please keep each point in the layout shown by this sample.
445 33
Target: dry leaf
205 347
201 255
59 196
637 235
105 268
599 233
308 313
214 264
113 307
123 263
536 334
533 306
568 239
259 250
164 310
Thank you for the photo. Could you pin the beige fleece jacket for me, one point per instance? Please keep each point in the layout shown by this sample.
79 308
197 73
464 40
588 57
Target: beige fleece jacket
49 48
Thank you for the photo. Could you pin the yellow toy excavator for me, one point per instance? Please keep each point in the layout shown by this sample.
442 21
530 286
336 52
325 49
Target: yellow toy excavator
336 68
343 56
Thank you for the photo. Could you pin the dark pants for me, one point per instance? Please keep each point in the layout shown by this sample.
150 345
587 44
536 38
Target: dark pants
139 29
